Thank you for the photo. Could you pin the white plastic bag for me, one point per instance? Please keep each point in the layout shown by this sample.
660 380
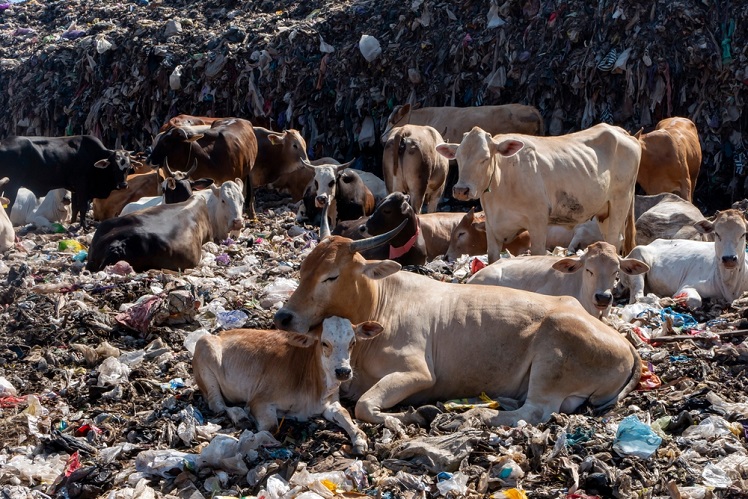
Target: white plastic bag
369 47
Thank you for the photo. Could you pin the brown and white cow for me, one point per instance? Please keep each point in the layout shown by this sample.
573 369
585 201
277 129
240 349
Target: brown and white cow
411 165
225 151
139 185
443 341
589 278
671 158
453 122
529 183
276 373
667 216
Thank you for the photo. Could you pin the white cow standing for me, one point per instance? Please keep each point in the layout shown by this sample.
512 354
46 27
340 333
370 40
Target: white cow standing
555 276
693 270
527 183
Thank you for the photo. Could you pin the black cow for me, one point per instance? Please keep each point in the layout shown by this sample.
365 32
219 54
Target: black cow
168 236
408 247
79 163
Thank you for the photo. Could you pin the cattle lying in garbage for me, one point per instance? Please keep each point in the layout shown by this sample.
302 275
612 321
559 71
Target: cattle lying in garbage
169 236
443 341
43 211
139 185
529 183
671 158
225 151
453 122
7 234
589 278
667 216
411 165
276 373
80 164
693 270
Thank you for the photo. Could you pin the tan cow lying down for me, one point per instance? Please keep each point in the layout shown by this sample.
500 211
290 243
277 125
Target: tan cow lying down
671 158
411 165
273 372
469 237
443 341
589 278
453 122
668 217
529 183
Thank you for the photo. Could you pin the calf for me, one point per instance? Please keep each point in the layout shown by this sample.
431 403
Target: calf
412 165
41 212
693 270
437 231
556 276
224 208
350 197
169 236
273 372
7 235
667 216
408 246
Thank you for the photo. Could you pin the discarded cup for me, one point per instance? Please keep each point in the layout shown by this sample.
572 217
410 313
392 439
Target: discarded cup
635 438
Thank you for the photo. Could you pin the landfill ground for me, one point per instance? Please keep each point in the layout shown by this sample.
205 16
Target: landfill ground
103 409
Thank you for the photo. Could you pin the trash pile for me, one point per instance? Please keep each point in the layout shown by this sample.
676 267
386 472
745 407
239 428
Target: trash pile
97 397
336 69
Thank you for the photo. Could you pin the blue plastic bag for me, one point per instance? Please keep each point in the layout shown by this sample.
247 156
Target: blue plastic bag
634 438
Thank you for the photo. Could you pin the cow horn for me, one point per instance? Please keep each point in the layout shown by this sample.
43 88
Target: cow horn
166 168
305 162
324 225
342 167
376 241
192 170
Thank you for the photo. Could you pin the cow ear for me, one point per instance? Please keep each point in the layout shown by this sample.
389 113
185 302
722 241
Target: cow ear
406 204
632 266
568 265
471 214
380 269
170 183
368 330
216 190
400 112
704 226
301 340
194 138
447 150
201 183
275 139
480 226
102 163
509 147
239 182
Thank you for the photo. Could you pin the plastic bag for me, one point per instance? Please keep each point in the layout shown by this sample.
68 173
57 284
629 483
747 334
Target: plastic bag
6 388
635 438
191 340
456 484
370 47
715 476
278 291
70 245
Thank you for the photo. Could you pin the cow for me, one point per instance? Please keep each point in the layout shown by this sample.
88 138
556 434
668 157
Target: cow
168 236
139 185
529 183
7 235
411 165
350 197
444 341
469 237
693 270
41 212
277 373
225 151
224 208
437 231
453 122
183 120
589 278
671 158
667 216
80 164
408 247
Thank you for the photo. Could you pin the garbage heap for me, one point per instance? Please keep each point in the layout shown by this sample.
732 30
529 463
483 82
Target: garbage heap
334 69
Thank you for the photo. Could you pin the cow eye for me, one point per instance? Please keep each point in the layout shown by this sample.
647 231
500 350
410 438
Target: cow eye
295 146
316 185
461 234
332 182
590 272
223 201
331 278
325 345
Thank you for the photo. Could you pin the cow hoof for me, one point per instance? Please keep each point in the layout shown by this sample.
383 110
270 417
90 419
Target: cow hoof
238 417
360 447
428 413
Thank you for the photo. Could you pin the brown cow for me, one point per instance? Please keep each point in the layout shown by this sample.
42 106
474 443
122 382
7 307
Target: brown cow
671 158
139 185
187 120
225 151
412 165
453 122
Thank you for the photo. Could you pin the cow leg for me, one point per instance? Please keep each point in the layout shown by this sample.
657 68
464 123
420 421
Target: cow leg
391 390
337 414
265 415
635 284
212 394
249 198
615 231
690 296
538 239
82 206
494 248
417 197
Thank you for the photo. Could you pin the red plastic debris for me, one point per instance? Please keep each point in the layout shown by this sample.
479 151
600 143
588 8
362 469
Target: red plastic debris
476 265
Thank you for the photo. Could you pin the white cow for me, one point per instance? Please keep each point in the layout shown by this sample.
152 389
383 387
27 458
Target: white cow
692 270
7 235
527 183
176 187
556 276
42 212
224 207
274 372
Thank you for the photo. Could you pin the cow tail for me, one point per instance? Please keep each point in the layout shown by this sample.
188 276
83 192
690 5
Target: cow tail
629 238
396 152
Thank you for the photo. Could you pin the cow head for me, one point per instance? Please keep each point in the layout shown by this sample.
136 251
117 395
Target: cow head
390 213
325 179
585 234
230 202
336 280
601 265
178 187
174 140
729 230
118 163
399 116
477 161
468 237
293 150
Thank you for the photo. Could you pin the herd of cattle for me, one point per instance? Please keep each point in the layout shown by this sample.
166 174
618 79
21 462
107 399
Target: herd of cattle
524 337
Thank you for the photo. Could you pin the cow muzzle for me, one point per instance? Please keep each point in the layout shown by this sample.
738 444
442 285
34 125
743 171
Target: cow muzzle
603 300
122 185
343 373
461 193
363 230
730 261
237 224
320 201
